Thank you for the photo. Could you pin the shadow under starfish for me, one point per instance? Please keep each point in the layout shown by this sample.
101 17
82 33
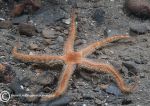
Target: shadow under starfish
72 58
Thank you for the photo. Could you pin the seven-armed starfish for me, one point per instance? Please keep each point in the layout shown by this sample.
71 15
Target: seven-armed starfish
72 58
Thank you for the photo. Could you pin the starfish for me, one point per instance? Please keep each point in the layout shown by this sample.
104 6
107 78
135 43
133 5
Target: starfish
72 58
2 67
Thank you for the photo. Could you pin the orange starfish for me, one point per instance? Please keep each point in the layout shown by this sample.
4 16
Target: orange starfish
2 67
72 58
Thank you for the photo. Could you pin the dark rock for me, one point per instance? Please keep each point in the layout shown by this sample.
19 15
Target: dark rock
131 66
62 101
15 86
113 89
21 19
139 28
126 102
5 24
7 75
117 65
98 16
27 29
49 16
140 8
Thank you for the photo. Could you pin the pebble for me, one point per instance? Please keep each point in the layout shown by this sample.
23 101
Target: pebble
48 33
140 8
88 94
97 101
131 66
5 24
60 39
44 78
33 46
27 29
98 16
7 75
139 28
47 41
66 21
113 89
112 31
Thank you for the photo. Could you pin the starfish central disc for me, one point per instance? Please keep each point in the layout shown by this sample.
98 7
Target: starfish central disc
74 57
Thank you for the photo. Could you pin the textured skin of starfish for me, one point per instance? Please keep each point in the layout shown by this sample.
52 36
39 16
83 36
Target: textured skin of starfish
72 58
2 67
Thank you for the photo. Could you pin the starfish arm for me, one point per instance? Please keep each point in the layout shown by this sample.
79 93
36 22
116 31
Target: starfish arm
68 47
63 83
91 48
34 58
101 67
2 67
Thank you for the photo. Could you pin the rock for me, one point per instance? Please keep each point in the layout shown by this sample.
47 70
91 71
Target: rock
99 102
87 94
139 28
140 8
27 29
112 31
15 86
113 89
126 102
98 16
131 66
66 21
142 75
7 75
117 65
44 78
62 101
36 4
48 33
47 41
60 39
33 46
49 16
21 19
5 24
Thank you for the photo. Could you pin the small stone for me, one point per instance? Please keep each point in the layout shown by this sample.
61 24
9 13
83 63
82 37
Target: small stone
27 29
60 39
88 94
62 101
131 66
142 75
48 33
97 101
113 90
98 16
139 28
140 8
44 78
47 41
66 21
112 31
33 46
5 24
126 102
